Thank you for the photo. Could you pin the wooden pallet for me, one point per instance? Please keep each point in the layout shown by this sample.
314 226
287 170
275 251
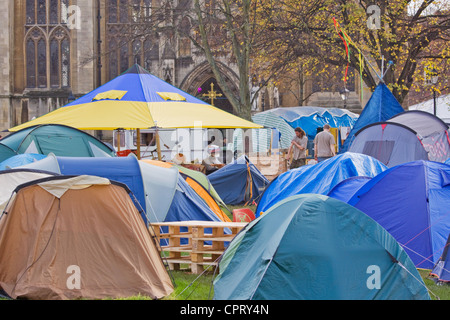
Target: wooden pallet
197 244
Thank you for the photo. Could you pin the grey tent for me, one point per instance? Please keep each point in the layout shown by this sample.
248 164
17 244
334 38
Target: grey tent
432 131
389 142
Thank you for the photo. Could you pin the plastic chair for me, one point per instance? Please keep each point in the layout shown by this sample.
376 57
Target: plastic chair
243 215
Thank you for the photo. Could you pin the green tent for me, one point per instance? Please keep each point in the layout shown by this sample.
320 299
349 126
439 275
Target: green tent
6 152
58 139
312 247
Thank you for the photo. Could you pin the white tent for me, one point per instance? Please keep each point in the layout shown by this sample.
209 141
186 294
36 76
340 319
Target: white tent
442 107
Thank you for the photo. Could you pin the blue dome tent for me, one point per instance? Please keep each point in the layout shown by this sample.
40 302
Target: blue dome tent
238 182
411 201
441 270
381 106
319 178
312 247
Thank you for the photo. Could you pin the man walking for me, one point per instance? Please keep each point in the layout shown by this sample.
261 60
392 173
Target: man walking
298 149
324 145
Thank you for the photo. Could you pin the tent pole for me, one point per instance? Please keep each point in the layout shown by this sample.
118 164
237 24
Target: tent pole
138 142
158 144
118 140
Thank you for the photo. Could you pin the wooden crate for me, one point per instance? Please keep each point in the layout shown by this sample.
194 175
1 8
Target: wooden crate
200 248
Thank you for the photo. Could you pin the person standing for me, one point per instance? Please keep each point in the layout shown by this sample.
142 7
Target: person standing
298 149
324 145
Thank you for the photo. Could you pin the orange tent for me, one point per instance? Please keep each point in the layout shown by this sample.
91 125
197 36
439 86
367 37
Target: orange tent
78 237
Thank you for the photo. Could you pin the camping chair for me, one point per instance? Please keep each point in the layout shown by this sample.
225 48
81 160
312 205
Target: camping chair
243 215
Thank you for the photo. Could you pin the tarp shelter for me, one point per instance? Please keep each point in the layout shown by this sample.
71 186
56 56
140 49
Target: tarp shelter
319 178
137 99
11 179
411 201
6 152
391 143
78 237
433 132
381 106
60 140
442 107
441 270
312 247
239 182
310 118
20 160
161 193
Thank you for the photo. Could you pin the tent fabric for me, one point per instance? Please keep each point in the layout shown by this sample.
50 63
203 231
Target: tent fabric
433 132
310 118
381 106
58 139
318 178
442 107
160 192
238 182
312 247
6 152
88 244
200 183
441 270
141 107
11 179
411 202
391 143
20 160
345 189
270 120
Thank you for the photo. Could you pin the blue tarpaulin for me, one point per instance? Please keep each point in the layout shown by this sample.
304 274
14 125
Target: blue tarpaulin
319 178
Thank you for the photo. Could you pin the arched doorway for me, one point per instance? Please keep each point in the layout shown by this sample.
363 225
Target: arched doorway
198 83
211 93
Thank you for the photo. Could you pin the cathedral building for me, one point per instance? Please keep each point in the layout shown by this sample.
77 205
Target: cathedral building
53 51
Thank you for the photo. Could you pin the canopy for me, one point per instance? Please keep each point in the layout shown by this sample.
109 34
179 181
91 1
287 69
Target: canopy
319 178
136 100
390 142
411 202
58 139
312 247
381 106
66 238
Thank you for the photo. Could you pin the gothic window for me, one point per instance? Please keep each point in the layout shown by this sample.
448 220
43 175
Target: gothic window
124 18
47 44
184 43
